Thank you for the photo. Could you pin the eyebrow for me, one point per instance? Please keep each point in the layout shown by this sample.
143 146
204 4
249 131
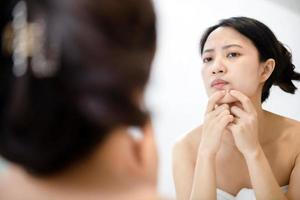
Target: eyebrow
224 47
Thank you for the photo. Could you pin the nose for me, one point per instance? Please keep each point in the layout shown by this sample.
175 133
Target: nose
218 67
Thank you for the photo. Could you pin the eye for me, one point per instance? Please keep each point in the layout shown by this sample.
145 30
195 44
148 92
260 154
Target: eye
206 59
233 55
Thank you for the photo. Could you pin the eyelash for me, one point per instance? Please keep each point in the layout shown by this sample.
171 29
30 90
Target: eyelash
233 55
206 60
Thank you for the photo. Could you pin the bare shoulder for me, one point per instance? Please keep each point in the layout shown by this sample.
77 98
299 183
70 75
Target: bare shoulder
4 177
292 132
283 123
289 129
188 144
183 162
11 179
5 183
293 129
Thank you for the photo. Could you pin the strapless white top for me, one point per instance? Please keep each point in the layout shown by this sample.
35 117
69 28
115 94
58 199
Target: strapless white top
244 194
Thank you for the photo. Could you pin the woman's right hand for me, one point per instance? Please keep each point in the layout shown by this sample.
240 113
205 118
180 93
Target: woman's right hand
217 117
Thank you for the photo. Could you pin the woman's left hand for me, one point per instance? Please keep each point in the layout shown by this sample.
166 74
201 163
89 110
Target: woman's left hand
244 128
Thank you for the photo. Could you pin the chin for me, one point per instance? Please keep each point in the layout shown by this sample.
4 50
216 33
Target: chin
227 99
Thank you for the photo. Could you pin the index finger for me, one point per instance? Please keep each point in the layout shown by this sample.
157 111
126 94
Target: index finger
213 100
246 102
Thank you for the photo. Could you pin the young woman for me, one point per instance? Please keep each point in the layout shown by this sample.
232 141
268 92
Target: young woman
241 151
72 78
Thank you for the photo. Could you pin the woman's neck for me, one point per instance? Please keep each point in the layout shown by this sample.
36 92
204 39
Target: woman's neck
106 174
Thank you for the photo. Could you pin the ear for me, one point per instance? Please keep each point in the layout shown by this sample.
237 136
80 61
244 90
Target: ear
146 153
267 69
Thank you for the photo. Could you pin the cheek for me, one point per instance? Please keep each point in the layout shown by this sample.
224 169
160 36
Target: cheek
247 86
205 76
247 82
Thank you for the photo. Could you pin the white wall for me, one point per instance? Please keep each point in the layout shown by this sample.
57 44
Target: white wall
176 94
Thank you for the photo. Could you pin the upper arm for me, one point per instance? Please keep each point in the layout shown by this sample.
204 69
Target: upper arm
183 161
294 184
183 171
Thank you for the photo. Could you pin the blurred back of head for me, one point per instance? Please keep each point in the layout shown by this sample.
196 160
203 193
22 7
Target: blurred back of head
81 78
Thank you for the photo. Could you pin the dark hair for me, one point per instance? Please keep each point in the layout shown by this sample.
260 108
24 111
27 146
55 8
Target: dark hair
106 49
268 47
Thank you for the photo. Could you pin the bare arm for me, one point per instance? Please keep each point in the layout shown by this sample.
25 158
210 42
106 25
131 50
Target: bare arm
204 182
294 192
193 181
245 132
262 178
197 180
182 171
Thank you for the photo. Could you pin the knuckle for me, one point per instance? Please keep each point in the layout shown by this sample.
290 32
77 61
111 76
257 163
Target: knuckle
226 112
225 105
225 108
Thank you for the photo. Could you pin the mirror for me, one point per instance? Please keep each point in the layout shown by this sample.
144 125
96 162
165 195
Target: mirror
176 94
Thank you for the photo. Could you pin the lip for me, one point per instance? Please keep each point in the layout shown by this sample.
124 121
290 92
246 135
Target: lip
218 84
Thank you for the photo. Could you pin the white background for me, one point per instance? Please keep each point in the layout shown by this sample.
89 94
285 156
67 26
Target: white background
176 94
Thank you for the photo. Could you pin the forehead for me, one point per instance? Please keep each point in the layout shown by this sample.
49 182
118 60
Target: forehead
223 36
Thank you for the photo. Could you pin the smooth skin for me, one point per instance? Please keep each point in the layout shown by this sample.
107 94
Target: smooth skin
239 145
